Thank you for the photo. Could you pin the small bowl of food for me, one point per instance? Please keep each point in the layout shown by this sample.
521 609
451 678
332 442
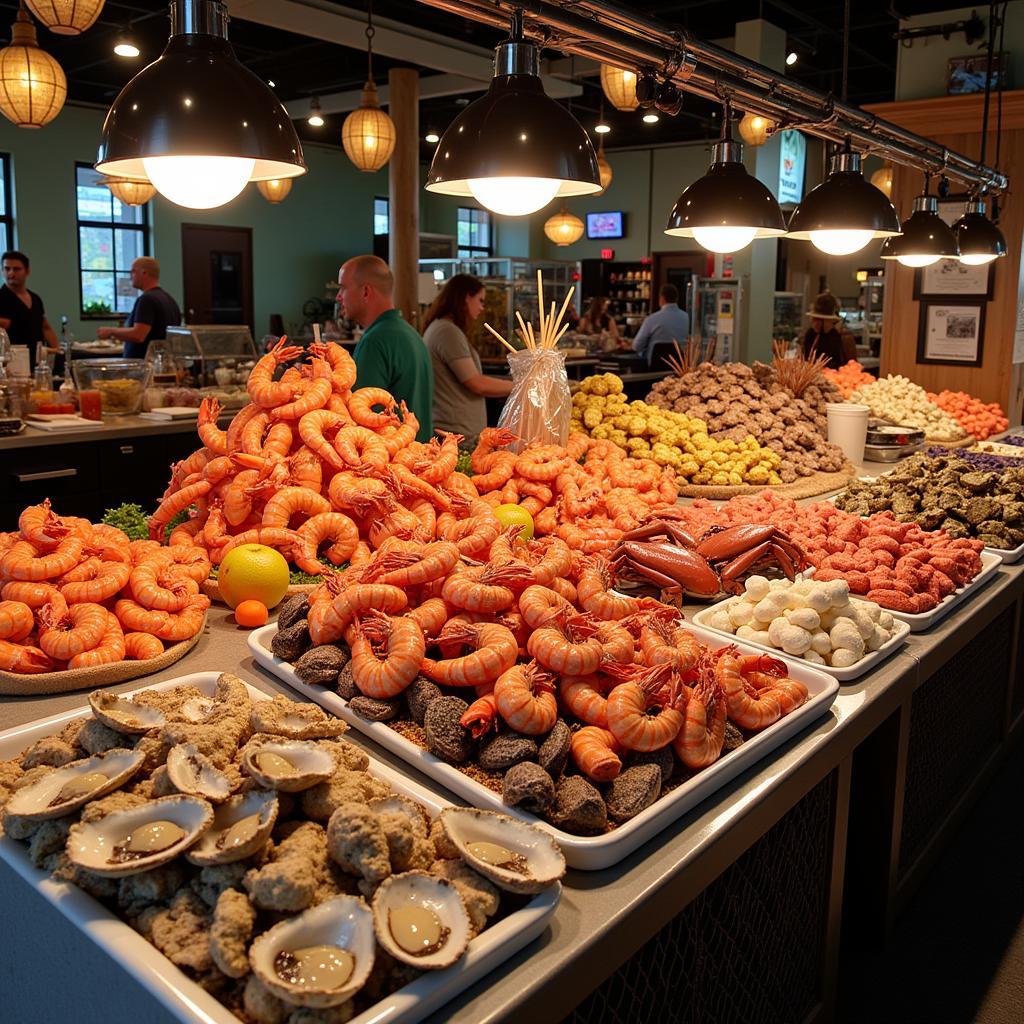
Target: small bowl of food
120 382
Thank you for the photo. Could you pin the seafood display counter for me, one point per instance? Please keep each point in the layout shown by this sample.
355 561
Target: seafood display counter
817 845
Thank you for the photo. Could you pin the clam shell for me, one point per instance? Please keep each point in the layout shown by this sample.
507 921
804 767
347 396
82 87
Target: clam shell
257 801
439 895
398 804
545 863
313 764
124 715
343 921
194 774
90 844
34 802
197 709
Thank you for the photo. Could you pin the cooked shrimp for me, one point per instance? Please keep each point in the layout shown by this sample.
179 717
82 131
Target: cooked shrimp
192 562
699 742
542 463
79 629
594 591
343 367
481 715
397 438
154 587
539 605
101 582
251 438
110 649
215 439
491 438
581 696
555 560
170 626
271 536
311 394
595 752
278 442
362 496
495 650
35 595
444 459
564 589
628 706
174 504
332 526
432 562
430 616
328 620
238 424
361 404
475 534
396 522
616 642
292 501
403 642
500 468
525 699
142 646
262 388
43 528
669 643
748 710
361 449
485 588
16 620
22 561
316 429
238 499
790 693
567 645
110 543
24 659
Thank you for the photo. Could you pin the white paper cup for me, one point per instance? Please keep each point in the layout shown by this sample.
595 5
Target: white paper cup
848 428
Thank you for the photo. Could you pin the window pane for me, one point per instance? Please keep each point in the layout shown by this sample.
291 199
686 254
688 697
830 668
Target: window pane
4 244
125 214
3 188
94 203
97 248
128 246
125 293
97 288
380 216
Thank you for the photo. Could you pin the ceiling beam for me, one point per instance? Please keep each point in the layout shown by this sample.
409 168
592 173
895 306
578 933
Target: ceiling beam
431 87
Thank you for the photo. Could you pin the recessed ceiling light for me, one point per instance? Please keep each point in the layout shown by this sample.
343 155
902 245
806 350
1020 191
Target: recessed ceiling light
271 83
124 45
792 57
602 128
315 120
432 137
651 119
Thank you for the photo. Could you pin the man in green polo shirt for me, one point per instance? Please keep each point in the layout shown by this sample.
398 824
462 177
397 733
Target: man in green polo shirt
390 354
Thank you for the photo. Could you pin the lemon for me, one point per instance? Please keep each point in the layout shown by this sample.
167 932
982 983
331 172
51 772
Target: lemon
515 515
253 572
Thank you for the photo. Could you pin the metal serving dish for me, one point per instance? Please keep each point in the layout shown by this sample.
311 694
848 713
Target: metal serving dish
892 435
890 453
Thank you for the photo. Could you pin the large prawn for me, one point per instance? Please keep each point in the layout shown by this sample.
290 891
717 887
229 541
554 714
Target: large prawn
262 388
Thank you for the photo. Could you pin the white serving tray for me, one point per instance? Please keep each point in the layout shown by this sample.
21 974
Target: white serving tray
844 675
183 997
588 853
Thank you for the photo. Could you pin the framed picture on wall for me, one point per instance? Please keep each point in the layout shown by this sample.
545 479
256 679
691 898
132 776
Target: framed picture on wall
951 332
949 278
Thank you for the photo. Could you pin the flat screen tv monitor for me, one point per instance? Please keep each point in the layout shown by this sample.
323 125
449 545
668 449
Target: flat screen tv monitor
605 225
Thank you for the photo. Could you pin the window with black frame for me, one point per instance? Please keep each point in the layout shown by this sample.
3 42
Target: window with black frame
111 235
6 205
475 233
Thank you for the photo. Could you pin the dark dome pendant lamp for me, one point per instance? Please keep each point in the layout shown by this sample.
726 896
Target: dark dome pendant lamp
195 122
979 239
926 237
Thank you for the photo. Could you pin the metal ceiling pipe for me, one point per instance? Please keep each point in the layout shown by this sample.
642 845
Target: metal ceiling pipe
611 34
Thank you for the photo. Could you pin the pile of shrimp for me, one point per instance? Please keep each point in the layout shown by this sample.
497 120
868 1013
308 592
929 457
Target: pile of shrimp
77 594
588 493
535 632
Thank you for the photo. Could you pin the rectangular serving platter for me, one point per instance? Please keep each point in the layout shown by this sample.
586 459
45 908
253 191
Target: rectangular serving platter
181 996
587 853
844 675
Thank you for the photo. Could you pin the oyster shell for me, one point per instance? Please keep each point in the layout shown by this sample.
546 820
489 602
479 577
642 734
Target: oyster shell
514 855
398 804
135 840
288 765
124 715
421 920
65 789
338 933
294 721
194 774
197 709
240 828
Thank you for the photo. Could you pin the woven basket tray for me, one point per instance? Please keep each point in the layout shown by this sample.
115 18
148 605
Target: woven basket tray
806 487
14 684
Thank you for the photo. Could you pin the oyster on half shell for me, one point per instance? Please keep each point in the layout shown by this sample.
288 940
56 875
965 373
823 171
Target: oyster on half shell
421 920
320 957
139 838
513 854
72 786
288 765
194 774
124 715
241 826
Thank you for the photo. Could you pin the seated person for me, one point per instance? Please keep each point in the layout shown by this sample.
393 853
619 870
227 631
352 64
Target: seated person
668 324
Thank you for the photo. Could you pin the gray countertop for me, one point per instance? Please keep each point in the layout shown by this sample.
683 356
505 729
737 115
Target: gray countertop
113 429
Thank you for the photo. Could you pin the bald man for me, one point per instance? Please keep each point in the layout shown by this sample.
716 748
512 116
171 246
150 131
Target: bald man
154 311
390 354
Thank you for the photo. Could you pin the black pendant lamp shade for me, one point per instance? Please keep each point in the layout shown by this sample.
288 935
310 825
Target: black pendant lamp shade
844 202
979 239
515 131
196 100
926 237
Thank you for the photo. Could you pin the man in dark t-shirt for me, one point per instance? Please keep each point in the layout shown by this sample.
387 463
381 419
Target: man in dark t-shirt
21 311
154 311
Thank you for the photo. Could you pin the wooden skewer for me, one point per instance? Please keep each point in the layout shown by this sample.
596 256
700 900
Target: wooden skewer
533 340
558 336
565 304
522 327
540 303
316 333
511 348
552 326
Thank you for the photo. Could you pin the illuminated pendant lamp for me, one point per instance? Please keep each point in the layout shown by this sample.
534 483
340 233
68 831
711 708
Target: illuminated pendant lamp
131 193
32 84
979 239
368 134
727 208
515 149
842 214
564 228
66 17
604 168
755 129
619 86
274 190
882 180
196 123
926 237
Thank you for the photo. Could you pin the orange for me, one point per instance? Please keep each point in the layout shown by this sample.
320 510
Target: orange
515 515
253 572
251 613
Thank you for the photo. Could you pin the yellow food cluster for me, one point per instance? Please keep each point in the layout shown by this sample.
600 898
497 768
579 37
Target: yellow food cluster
601 410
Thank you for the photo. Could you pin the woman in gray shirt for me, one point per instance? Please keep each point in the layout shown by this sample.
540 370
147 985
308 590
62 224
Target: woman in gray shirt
460 386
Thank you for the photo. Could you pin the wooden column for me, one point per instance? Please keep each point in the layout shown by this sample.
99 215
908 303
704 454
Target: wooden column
955 121
404 189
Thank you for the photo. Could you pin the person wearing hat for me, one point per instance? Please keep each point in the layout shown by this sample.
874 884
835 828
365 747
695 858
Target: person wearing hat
824 336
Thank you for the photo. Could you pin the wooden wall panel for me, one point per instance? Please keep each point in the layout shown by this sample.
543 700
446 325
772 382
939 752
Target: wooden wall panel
955 122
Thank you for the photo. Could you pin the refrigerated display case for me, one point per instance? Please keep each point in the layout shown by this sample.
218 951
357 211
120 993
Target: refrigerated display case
715 306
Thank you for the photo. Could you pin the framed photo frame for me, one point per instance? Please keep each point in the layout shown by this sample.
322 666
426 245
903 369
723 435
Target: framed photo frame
948 279
951 333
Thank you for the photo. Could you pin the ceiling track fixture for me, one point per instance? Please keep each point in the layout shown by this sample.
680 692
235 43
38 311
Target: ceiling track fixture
515 149
607 32
926 238
195 122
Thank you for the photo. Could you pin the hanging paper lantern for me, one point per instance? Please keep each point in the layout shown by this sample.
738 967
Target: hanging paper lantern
368 134
66 17
604 168
32 84
131 193
754 129
564 228
620 87
274 190
882 179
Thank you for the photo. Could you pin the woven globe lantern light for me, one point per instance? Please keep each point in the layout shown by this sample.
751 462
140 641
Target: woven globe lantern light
275 189
564 228
619 86
604 169
754 129
66 17
368 134
129 192
882 180
32 84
